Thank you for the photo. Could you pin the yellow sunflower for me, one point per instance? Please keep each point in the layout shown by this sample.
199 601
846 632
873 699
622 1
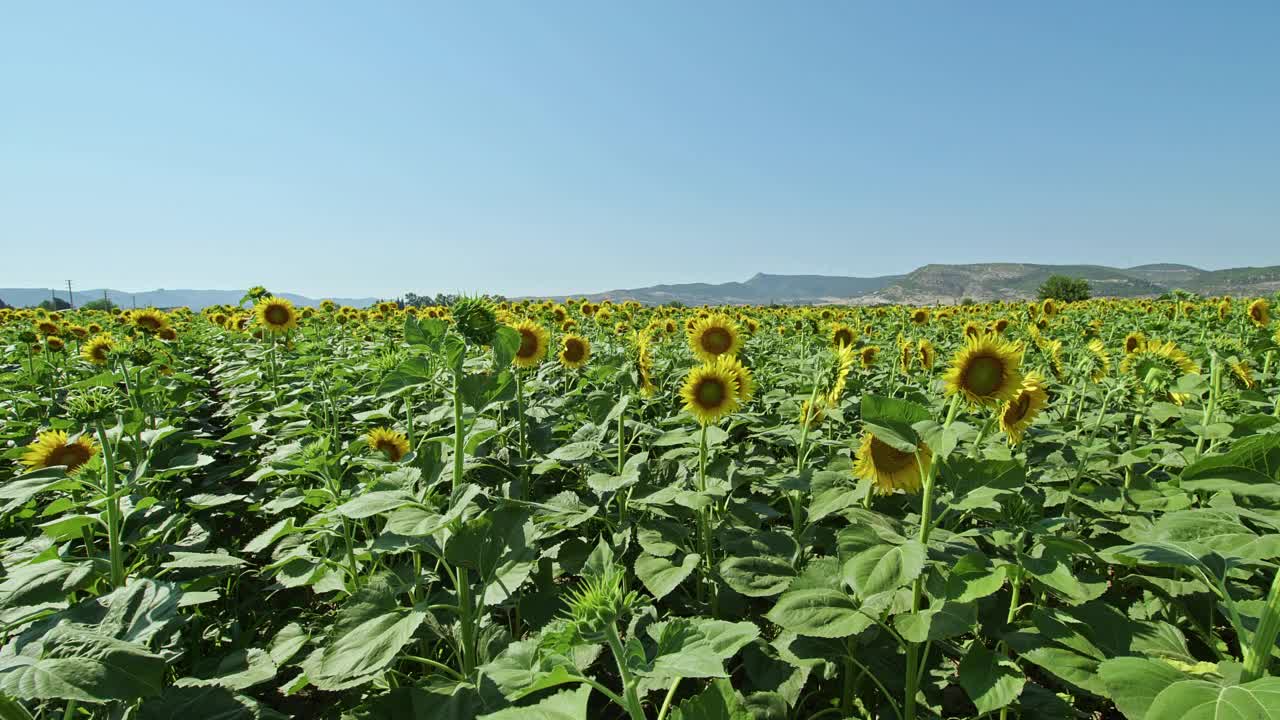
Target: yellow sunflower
575 351
1157 367
1224 309
1242 373
1133 342
746 384
713 336
867 356
276 314
53 343
1260 312
47 327
1100 359
842 334
149 320
1049 307
533 344
927 354
644 363
889 468
844 359
987 371
710 391
813 414
392 443
98 350
1021 410
53 447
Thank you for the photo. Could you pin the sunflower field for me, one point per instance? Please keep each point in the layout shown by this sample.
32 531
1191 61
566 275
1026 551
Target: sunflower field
561 511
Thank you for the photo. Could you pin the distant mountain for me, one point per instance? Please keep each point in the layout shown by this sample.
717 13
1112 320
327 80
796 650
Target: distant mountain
194 299
932 284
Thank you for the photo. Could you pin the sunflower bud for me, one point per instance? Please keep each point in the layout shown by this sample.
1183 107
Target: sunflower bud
476 320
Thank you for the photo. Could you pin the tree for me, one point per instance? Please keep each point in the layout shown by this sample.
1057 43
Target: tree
1064 289
55 304
99 304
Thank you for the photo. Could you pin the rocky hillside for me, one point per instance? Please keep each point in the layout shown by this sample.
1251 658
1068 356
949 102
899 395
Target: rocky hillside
932 284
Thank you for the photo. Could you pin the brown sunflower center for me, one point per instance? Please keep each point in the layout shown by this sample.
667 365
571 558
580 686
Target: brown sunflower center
73 456
889 459
528 344
99 353
844 337
983 375
574 350
388 447
1017 410
716 340
148 322
710 392
276 315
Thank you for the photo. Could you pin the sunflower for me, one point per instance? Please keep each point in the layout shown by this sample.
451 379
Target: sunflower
813 414
972 330
927 354
167 334
149 320
906 353
533 343
1224 309
53 343
1133 342
98 350
710 391
1021 410
47 327
393 444
713 336
644 364
1053 350
1260 312
79 331
1100 360
889 468
575 351
986 371
746 384
1049 307
841 334
844 358
1158 365
1242 373
53 447
920 316
276 314
867 356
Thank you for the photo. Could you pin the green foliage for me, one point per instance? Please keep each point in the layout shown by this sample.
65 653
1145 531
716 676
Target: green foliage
1064 289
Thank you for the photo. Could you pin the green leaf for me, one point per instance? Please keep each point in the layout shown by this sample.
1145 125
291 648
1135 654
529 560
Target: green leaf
374 503
819 612
1133 682
506 343
718 701
564 705
758 576
992 682
77 662
1203 700
368 633
205 703
412 372
695 648
203 561
660 576
426 333
884 567
238 670
891 420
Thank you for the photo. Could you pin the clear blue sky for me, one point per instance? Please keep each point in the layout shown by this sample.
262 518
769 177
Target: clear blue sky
368 148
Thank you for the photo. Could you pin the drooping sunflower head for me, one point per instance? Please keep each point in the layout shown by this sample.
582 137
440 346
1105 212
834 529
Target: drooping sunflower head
533 344
575 351
391 443
867 356
168 334
52 448
276 314
842 334
149 320
1133 342
927 354
1021 409
1157 366
714 336
1242 373
891 469
1100 360
986 371
98 349
710 391
812 414
1260 312
838 373
906 354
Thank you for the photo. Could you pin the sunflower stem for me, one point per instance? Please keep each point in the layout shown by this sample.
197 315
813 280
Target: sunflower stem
1215 387
115 549
458 430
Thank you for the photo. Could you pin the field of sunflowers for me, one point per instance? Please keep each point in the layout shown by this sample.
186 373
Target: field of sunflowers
561 511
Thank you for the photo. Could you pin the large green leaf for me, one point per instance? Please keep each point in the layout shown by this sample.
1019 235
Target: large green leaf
718 701
1133 682
757 576
564 705
819 612
991 681
660 576
884 568
1204 700
367 635
205 703
78 662
891 419
695 648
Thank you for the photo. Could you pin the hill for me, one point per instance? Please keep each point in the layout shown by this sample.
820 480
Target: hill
933 284
194 299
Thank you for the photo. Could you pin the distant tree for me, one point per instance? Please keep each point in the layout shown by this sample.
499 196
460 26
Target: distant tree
3 304
1064 289
968 301
99 304
674 304
55 304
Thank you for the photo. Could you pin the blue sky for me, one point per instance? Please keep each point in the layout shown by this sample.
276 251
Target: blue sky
369 148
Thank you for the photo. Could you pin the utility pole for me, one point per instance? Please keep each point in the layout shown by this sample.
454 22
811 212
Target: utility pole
71 297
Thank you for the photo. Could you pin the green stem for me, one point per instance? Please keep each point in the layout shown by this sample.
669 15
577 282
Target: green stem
666 701
520 420
116 549
707 586
1257 655
632 699
458 431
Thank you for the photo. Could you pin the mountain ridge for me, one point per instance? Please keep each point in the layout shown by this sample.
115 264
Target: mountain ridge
163 298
